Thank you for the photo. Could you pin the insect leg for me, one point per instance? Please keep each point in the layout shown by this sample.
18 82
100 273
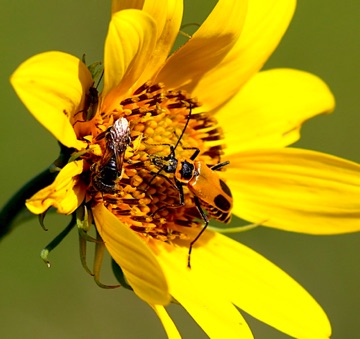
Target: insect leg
179 187
206 220
164 177
195 154
155 174
220 165
181 202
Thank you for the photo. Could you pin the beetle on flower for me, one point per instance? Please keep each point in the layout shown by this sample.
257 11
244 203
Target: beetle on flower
238 114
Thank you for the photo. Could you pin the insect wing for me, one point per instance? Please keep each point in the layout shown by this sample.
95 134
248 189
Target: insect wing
119 139
119 135
212 192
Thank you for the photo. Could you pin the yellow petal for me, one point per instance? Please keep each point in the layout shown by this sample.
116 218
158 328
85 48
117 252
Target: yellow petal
296 190
206 49
132 254
52 85
271 108
204 301
265 25
169 326
168 21
167 14
131 39
66 193
258 287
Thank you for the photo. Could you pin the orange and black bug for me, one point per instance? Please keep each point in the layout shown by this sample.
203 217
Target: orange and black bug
109 168
210 193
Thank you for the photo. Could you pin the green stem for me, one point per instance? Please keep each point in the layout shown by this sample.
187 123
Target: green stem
17 202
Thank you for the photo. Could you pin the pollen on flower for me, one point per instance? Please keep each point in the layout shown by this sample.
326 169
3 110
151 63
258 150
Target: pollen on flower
129 179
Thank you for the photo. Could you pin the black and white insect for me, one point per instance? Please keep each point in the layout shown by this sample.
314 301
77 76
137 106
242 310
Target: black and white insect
109 168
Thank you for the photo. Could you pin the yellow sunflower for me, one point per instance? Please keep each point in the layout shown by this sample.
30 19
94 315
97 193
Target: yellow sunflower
204 105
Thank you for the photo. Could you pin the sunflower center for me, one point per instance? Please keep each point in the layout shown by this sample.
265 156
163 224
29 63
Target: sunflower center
144 147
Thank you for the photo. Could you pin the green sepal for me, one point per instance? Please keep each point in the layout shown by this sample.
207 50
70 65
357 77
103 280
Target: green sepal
119 275
57 240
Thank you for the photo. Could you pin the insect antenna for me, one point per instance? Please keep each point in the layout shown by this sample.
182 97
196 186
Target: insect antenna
183 131
171 166
100 78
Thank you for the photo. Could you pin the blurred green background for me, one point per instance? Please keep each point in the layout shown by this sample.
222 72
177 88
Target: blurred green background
63 301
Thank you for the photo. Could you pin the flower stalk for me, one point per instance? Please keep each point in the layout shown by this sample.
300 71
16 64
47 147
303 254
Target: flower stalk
14 212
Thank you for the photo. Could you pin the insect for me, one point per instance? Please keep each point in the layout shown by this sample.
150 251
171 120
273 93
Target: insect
91 102
109 168
210 193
